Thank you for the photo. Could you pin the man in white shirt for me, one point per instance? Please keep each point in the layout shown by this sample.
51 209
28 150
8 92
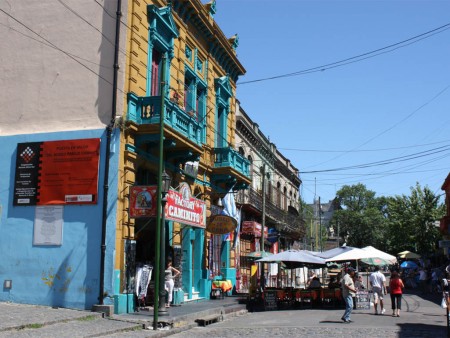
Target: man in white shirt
378 283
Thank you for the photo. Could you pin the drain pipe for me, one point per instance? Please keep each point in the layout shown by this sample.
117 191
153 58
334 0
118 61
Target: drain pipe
109 129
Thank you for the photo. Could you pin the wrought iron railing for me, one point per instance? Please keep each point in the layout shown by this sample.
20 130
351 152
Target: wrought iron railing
146 110
228 157
288 222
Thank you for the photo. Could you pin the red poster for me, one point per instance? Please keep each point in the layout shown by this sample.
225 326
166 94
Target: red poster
69 172
57 172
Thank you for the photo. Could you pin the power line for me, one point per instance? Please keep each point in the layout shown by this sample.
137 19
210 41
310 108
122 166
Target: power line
385 162
359 57
51 46
361 150
391 127
59 49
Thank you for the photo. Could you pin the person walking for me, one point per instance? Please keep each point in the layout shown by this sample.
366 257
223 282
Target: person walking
445 286
423 280
378 283
348 292
169 283
396 288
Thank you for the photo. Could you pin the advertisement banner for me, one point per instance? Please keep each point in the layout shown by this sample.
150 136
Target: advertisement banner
183 208
57 172
254 228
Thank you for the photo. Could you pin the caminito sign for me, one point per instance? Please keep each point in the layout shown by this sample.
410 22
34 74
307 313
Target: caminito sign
180 207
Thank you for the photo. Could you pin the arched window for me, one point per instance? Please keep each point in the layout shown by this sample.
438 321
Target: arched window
285 198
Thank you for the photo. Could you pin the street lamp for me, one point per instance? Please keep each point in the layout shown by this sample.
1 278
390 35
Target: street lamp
165 186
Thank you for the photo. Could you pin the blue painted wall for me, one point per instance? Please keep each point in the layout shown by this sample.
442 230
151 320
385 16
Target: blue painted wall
66 275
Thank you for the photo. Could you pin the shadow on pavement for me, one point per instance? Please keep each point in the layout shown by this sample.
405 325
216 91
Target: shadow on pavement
421 330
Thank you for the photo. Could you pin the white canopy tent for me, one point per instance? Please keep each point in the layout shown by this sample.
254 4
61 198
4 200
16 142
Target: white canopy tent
344 253
380 254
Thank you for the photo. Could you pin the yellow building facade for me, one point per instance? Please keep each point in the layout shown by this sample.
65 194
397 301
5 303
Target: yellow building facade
178 62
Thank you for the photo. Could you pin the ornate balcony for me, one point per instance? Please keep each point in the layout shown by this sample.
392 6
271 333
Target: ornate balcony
231 166
286 222
145 110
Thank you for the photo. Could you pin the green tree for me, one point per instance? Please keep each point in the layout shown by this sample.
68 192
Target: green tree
362 218
411 221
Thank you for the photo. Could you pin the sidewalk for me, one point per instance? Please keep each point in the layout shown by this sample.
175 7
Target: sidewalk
19 320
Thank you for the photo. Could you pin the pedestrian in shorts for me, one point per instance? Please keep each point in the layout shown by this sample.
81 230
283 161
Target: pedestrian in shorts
378 282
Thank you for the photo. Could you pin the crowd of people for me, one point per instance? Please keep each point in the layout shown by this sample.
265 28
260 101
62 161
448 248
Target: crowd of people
428 279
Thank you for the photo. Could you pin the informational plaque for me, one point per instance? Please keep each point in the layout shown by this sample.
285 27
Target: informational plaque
48 225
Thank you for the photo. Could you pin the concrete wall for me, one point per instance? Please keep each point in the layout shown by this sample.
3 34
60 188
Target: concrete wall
66 275
57 84
56 65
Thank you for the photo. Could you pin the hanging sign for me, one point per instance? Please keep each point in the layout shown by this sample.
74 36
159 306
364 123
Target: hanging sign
254 228
57 172
182 207
191 168
142 201
221 224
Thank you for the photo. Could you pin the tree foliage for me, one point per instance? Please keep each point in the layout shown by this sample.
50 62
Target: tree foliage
392 224
412 219
361 221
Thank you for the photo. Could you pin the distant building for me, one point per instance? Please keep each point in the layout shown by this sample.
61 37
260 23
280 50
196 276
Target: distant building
322 215
277 179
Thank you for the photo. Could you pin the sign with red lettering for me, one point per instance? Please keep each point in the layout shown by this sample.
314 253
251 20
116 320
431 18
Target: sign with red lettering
254 228
183 208
180 205
57 172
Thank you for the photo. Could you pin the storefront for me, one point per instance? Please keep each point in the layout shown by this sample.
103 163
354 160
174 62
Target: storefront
250 247
185 221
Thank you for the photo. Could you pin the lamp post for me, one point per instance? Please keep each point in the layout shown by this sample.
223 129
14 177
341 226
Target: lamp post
158 259
320 225
162 310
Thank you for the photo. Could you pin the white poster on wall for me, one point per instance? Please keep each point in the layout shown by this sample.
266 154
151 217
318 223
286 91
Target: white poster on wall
48 225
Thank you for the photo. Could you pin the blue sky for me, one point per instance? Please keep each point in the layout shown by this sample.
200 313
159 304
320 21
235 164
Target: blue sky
387 115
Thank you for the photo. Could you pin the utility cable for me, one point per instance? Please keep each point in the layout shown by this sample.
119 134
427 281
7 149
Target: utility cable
360 56
59 49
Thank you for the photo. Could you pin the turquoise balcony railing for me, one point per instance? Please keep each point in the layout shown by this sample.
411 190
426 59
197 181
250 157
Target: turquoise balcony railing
146 110
228 157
